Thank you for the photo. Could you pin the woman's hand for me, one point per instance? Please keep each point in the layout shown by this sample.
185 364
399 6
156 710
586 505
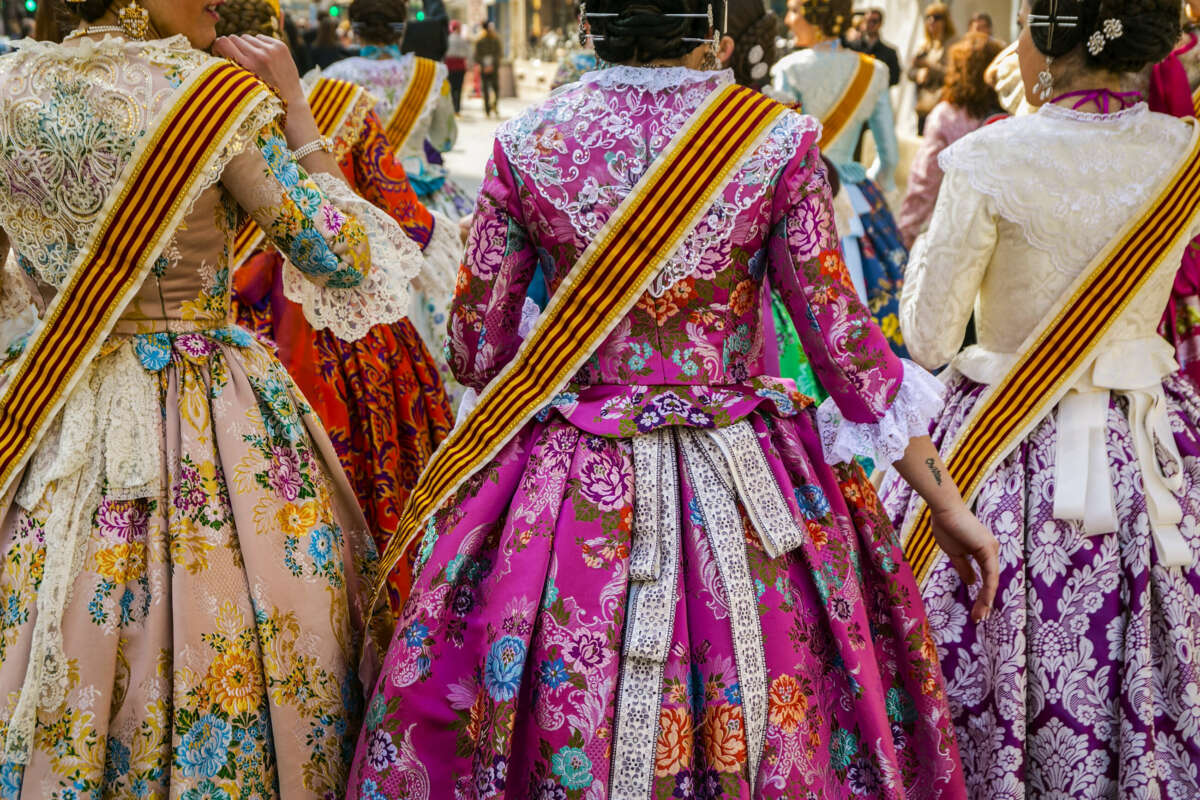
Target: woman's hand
955 529
267 58
965 540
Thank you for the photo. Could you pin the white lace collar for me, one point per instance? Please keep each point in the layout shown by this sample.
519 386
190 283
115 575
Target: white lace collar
653 78
1062 112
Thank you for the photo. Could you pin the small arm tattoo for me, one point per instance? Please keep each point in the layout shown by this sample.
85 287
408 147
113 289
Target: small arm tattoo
933 470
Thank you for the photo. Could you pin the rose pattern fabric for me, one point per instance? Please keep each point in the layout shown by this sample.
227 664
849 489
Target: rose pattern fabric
380 398
503 676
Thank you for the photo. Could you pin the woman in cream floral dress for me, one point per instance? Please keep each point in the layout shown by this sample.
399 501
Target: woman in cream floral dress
212 555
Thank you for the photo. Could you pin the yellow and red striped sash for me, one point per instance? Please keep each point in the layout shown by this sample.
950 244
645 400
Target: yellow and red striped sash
1056 353
156 190
409 109
598 292
843 110
1196 103
333 103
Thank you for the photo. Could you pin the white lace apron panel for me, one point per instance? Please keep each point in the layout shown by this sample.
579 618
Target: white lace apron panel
723 466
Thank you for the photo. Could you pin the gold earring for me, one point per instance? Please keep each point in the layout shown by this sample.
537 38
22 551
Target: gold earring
134 20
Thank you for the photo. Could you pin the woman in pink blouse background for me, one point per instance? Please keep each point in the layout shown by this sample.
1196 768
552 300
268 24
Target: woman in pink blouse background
968 103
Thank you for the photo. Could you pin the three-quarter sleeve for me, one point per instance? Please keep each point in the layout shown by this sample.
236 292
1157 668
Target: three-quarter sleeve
945 270
498 267
347 263
380 178
877 402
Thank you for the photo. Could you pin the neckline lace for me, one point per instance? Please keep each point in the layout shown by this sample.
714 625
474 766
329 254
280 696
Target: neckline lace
1062 112
653 78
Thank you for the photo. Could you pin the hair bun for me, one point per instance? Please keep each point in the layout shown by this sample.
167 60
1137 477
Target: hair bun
643 30
1129 35
377 21
1118 36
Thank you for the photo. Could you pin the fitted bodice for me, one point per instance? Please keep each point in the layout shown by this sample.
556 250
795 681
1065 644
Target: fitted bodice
1025 206
817 79
73 116
578 175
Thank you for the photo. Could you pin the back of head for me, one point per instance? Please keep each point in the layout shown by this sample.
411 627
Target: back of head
1117 36
832 17
89 10
753 27
640 31
965 87
248 16
379 21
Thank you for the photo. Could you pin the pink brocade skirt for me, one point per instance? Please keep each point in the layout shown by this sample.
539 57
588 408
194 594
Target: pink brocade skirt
596 612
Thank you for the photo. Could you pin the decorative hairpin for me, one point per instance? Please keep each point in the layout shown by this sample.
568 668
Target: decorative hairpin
1052 21
1111 29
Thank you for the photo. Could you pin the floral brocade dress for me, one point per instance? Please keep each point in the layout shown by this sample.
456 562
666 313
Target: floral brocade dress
387 75
186 503
659 588
378 392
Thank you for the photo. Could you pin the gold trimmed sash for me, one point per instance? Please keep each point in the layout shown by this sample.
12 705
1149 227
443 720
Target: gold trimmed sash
1055 356
333 103
1196 103
156 190
598 292
843 110
409 109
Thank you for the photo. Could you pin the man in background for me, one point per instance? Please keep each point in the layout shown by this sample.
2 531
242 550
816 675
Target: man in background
872 44
488 52
981 23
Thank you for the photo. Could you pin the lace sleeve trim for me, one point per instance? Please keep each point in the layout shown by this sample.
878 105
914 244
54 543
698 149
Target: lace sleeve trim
917 403
383 296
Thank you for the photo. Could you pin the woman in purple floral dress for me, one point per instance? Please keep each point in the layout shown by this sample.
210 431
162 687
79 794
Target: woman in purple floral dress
659 588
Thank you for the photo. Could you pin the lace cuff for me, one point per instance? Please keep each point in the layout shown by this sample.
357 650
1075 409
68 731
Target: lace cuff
383 296
439 270
885 441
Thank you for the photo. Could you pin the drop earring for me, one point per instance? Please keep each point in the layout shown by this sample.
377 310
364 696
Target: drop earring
134 20
1045 81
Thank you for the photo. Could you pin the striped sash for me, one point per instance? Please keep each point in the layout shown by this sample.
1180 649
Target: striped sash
843 110
1196 103
409 109
156 190
1056 354
333 105
598 292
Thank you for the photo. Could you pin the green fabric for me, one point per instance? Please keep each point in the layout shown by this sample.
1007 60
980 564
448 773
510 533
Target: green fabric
792 361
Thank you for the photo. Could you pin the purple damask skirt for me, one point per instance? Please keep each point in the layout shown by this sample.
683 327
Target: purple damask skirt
603 617
1085 681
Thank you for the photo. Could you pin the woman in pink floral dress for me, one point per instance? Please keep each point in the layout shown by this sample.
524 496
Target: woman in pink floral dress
659 588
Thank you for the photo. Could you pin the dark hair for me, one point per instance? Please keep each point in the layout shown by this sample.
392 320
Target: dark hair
965 87
90 10
982 16
876 10
752 26
1148 29
832 17
641 31
378 21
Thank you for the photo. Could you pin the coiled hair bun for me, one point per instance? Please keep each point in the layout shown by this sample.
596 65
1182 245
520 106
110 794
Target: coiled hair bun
248 16
831 16
641 31
1117 36
753 27
379 21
